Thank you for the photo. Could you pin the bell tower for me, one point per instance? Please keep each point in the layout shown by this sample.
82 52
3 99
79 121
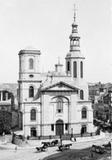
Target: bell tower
29 75
74 59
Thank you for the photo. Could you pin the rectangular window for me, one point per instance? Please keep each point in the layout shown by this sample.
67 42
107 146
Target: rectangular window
68 66
84 129
4 96
66 126
52 127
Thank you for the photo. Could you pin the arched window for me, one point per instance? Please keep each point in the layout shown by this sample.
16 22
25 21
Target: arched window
31 63
31 91
68 66
59 106
84 113
33 115
81 69
81 94
75 69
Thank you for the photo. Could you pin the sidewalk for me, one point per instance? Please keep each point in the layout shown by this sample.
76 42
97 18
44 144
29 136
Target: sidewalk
91 138
36 143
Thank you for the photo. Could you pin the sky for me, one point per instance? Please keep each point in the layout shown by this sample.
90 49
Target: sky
46 25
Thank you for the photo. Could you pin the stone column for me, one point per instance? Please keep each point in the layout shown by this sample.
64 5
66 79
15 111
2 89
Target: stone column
69 116
1 95
6 96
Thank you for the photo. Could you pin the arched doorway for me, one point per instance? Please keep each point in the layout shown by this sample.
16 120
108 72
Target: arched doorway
33 132
59 127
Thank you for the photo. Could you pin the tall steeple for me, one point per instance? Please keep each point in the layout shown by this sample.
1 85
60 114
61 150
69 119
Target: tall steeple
74 37
74 58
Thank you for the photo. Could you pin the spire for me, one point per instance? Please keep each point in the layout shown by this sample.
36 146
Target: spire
74 37
74 12
74 24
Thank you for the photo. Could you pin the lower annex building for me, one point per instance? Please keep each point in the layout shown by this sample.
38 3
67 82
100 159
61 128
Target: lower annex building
55 103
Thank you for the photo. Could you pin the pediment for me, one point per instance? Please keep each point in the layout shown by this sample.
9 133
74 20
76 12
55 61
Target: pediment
61 86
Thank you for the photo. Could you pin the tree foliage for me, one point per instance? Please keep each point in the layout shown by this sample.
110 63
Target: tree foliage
5 121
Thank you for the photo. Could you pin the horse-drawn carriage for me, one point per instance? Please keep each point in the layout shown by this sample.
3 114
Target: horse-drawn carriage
46 144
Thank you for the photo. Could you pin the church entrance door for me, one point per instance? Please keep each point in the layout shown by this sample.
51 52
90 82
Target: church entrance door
59 127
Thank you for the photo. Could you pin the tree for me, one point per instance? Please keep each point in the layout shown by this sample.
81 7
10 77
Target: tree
5 121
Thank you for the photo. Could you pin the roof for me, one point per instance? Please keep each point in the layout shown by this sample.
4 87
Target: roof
60 85
29 51
55 79
55 87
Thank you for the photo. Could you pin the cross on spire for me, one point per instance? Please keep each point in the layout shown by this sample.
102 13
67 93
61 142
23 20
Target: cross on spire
75 12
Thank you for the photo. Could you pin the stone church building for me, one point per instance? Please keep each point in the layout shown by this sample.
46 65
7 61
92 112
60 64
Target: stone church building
55 103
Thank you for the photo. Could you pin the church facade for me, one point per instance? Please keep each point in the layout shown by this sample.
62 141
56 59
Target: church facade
55 103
